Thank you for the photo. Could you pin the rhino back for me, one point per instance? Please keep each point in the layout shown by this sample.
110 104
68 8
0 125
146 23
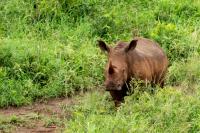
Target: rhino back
148 61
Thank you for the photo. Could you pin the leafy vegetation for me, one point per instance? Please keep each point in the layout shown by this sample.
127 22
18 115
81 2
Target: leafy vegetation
168 110
48 49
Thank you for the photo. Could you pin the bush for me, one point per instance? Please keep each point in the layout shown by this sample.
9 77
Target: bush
44 71
186 75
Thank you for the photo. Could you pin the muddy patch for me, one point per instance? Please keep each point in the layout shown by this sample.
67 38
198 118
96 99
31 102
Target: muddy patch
38 118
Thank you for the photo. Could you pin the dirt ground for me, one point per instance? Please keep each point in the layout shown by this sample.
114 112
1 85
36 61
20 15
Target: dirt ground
39 117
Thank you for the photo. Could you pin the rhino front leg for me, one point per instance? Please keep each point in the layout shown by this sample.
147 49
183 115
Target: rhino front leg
118 97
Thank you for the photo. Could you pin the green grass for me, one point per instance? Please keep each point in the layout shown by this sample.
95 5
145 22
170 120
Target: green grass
47 69
48 49
7 123
169 110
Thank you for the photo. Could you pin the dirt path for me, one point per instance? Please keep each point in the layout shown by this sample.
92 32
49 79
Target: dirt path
37 118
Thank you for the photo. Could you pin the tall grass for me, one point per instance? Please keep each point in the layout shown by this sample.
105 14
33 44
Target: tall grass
169 110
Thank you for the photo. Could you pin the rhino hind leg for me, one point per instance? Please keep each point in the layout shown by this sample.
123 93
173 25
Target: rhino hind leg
158 82
162 83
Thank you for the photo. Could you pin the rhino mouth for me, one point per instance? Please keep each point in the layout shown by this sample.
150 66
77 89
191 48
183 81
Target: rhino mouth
114 88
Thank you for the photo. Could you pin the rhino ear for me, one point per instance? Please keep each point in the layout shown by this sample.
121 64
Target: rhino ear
102 45
131 46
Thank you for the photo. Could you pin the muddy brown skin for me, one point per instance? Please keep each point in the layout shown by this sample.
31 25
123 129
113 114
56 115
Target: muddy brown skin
141 59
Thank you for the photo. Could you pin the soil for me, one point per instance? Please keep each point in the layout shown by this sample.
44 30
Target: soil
48 109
